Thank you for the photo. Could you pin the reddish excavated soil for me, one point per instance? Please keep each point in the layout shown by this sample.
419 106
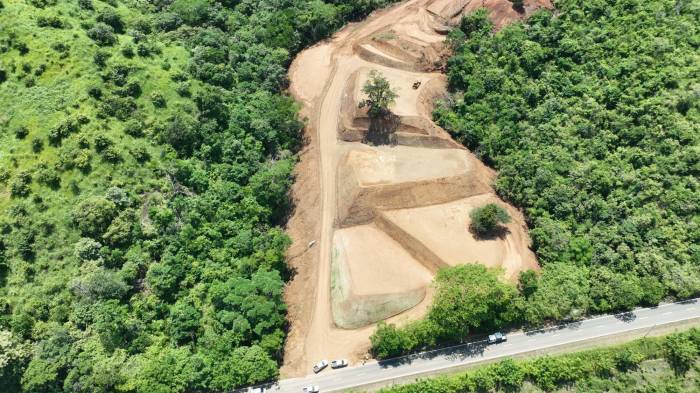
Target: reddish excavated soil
373 223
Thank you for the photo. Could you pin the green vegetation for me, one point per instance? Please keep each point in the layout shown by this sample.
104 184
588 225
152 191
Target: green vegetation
146 152
467 297
643 366
380 95
592 118
486 220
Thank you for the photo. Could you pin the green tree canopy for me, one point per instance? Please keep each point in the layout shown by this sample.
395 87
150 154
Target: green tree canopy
380 95
486 220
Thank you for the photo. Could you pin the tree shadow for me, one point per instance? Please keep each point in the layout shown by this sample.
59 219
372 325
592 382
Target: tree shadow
500 232
459 352
519 6
626 317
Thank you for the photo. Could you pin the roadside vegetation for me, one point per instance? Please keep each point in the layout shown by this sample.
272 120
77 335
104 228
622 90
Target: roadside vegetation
146 150
592 119
668 364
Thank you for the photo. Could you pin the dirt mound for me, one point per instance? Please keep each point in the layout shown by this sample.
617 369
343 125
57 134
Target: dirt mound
373 223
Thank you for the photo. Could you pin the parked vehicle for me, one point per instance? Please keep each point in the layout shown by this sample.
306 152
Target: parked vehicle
496 338
339 363
320 366
311 389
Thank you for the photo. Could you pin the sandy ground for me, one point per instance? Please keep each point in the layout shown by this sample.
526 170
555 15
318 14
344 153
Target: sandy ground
415 199
376 257
401 164
444 230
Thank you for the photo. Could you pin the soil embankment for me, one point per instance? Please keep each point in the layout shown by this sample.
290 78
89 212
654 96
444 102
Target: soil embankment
373 223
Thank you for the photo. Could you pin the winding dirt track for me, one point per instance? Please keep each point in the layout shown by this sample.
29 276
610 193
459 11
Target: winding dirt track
413 198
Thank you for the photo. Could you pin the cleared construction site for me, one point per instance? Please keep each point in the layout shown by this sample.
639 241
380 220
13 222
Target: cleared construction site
373 224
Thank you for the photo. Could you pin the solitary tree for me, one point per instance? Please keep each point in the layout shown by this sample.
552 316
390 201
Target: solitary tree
380 95
486 219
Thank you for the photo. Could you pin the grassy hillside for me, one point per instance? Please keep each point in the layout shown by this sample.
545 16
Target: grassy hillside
145 155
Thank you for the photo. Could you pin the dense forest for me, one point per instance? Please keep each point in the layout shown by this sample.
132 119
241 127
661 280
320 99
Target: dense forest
146 149
669 364
591 115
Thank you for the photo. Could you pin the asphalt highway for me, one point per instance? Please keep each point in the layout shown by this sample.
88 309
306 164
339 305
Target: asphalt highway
432 362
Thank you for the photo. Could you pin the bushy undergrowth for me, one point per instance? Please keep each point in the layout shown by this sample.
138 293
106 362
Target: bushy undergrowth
619 369
145 154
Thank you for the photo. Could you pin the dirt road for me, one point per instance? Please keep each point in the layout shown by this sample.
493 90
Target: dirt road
379 198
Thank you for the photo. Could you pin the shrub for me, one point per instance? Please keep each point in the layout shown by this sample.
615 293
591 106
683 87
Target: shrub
142 25
93 215
111 154
20 185
158 99
102 34
50 21
21 132
111 18
121 230
143 50
42 3
4 175
81 160
183 89
128 51
388 341
29 81
85 4
131 89
62 130
486 220
118 196
140 153
48 176
134 128
102 142
87 249
192 12
99 284
95 92
100 58
167 21
628 359
680 352
122 108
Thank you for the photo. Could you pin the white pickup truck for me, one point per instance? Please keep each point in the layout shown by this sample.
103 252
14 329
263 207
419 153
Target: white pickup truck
339 363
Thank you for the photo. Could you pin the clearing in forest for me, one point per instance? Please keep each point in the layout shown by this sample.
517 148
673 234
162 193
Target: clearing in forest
383 218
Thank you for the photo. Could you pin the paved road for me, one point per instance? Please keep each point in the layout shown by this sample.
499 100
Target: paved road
434 361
